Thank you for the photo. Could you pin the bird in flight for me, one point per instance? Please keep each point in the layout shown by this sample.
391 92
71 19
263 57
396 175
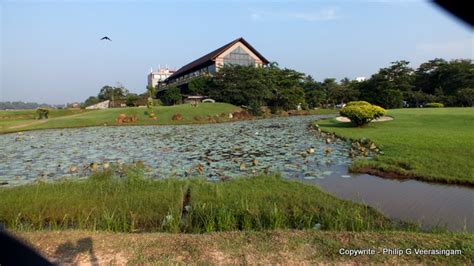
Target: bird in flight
105 38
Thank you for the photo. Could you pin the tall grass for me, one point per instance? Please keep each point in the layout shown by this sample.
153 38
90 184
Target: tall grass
265 202
130 204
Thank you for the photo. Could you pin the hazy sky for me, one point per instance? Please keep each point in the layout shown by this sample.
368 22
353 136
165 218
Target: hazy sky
51 52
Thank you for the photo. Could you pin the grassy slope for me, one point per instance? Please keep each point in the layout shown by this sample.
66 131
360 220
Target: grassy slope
268 247
14 118
431 144
132 204
64 119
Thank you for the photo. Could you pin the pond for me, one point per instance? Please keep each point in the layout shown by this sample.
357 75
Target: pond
219 151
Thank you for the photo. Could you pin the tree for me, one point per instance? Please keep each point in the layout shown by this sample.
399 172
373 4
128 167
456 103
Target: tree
286 88
389 86
172 96
112 93
314 95
91 101
466 97
200 85
131 99
444 79
241 85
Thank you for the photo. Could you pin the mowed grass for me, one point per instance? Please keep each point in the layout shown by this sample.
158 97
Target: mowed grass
13 118
282 247
12 121
133 204
432 144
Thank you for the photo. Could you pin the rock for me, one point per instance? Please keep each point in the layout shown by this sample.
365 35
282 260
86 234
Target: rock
317 226
177 117
327 150
310 151
93 166
231 116
106 165
72 169
3 183
254 162
242 166
328 141
199 168
373 146
122 118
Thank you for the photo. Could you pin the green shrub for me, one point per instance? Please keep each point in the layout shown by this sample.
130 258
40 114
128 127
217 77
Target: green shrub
42 113
357 103
434 105
361 113
172 96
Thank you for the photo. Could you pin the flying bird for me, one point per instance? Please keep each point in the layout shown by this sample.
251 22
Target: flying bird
105 38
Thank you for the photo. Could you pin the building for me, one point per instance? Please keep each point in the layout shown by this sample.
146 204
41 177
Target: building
101 105
237 52
159 75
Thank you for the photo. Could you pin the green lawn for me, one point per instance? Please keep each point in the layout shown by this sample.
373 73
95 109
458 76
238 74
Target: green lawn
432 144
12 121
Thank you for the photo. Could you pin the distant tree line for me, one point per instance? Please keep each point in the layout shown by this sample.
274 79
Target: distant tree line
398 85
118 93
25 105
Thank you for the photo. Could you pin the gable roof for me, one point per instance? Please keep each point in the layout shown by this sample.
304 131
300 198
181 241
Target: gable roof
210 57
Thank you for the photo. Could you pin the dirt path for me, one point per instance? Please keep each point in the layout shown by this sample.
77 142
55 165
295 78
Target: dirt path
268 247
39 122
32 123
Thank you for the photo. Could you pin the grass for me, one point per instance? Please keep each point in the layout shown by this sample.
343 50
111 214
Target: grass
12 121
23 120
132 204
432 144
248 247
17 118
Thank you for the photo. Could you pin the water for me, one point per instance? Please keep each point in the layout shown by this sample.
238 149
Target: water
244 148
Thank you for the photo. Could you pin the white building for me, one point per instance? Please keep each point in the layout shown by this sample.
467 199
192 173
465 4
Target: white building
101 105
159 75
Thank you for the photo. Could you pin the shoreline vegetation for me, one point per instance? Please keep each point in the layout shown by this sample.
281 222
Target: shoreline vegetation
205 113
431 145
125 201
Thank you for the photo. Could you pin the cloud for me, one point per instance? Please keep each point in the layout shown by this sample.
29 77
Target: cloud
325 14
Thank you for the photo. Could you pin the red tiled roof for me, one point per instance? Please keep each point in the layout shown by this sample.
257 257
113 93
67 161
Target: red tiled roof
210 57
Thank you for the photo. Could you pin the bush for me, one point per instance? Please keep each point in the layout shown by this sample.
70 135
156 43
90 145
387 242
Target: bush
434 105
357 103
172 96
361 113
42 113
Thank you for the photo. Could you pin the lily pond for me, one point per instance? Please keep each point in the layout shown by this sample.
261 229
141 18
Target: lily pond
220 151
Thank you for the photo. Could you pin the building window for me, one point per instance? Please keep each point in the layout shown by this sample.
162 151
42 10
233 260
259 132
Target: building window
239 57
211 69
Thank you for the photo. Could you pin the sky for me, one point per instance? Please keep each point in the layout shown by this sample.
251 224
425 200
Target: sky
51 53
